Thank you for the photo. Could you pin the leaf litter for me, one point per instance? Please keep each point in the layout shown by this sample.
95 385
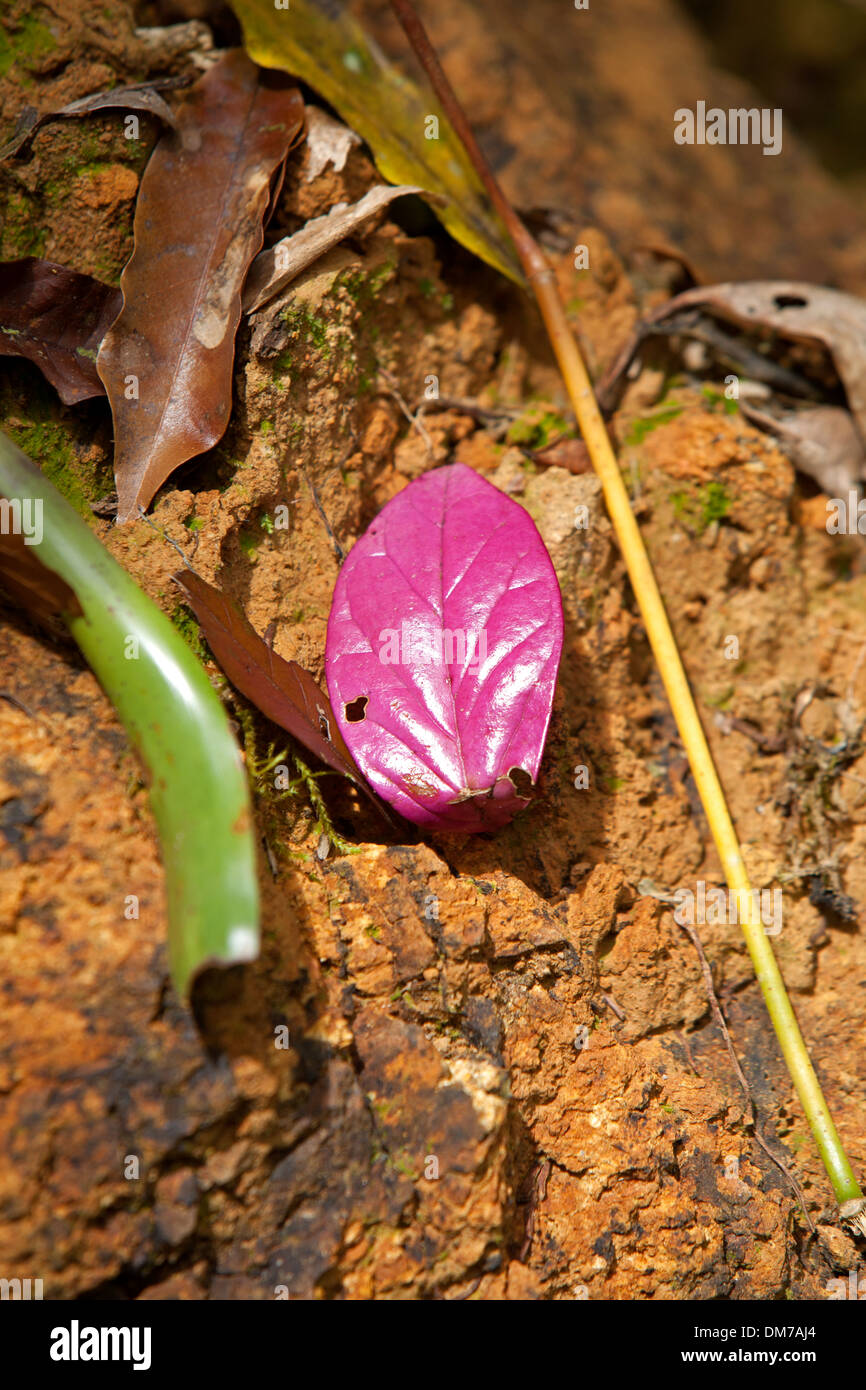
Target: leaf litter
324 45
283 691
167 360
329 143
56 318
139 97
825 442
275 268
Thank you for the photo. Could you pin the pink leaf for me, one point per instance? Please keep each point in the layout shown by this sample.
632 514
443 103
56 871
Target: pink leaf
443 647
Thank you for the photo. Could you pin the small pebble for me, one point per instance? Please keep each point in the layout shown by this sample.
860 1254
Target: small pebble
759 571
696 358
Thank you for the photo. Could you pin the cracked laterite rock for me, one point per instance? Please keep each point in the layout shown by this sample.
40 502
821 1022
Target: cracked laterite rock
479 1066
175 1210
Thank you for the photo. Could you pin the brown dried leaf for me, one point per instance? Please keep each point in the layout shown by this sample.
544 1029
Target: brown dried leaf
329 142
26 581
564 453
282 690
141 97
798 311
198 225
273 269
822 441
26 126
56 318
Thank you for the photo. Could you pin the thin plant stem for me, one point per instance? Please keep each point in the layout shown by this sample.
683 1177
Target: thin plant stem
592 427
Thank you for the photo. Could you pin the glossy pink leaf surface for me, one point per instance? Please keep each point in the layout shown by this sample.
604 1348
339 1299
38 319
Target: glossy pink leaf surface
443 647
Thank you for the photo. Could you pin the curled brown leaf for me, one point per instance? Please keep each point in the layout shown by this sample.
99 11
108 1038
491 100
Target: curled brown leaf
274 269
140 97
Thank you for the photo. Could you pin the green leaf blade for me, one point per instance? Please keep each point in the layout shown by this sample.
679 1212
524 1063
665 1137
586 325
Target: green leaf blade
175 721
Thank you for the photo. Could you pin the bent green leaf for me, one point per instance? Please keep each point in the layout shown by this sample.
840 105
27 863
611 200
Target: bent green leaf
411 138
174 719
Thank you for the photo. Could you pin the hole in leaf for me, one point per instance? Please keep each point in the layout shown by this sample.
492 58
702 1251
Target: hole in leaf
356 710
790 301
521 781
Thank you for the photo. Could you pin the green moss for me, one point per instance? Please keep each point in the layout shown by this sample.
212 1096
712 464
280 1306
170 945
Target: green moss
189 630
85 149
307 327
84 155
49 443
249 544
283 364
681 502
402 996
720 699
402 1163
26 44
537 427
341 335
24 232
107 268
90 167
32 416
716 400
661 415
363 287
699 510
715 503
228 467
49 446
71 153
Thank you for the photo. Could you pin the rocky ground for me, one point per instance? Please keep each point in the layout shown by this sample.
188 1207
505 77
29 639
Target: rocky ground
503 1079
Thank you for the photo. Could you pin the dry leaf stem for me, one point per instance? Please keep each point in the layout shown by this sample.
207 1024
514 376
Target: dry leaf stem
592 427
